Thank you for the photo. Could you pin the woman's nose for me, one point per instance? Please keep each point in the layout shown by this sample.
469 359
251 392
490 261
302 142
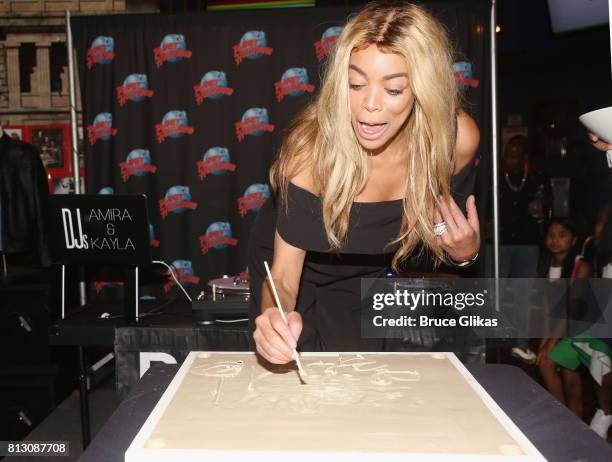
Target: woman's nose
372 100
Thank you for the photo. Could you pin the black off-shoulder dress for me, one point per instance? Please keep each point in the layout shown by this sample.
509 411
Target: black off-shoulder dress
330 285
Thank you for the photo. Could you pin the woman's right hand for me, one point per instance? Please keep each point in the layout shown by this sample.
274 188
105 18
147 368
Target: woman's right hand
276 340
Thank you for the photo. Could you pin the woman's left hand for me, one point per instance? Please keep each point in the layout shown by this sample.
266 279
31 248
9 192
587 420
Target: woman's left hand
461 241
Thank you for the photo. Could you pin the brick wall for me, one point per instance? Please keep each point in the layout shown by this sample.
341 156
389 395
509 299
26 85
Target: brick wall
3 78
37 7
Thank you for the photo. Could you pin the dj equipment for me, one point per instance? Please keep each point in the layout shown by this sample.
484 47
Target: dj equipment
225 298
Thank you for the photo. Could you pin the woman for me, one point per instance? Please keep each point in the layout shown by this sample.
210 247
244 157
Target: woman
363 181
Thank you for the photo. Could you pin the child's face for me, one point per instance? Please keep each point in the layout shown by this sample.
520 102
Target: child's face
559 239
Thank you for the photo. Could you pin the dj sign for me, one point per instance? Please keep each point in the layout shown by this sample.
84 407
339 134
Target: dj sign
99 229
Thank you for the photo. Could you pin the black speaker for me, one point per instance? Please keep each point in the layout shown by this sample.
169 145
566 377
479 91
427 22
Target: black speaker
24 323
27 396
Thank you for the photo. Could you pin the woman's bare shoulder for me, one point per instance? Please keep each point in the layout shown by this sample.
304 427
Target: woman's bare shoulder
304 178
468 139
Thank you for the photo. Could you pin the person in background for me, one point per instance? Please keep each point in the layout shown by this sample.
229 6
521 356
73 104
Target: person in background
525 205
596 354
524 201
557 358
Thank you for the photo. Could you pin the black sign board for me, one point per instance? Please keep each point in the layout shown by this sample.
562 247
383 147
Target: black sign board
99 229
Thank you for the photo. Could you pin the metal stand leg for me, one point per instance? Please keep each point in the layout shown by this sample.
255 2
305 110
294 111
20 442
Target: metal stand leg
63 302
136 295
84 400
131 307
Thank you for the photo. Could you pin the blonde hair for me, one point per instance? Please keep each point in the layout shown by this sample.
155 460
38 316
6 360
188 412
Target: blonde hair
322 139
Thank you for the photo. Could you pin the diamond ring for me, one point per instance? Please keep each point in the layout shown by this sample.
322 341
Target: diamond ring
440 228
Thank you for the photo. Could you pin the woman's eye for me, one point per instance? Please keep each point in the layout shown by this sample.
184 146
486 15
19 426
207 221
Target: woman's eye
395 92
355 86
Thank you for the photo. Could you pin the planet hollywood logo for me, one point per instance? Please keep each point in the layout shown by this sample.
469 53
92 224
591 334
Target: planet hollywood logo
464 75
254 122
171 49
173 125
293 82
212 86
254 197
101 129
327 43
101 51
137 163
184 273
215 162
107 191
176 200
217 236
135 88
154 242
99 286
252 45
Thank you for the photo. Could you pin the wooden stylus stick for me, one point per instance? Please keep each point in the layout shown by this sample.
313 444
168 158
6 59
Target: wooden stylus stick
282 313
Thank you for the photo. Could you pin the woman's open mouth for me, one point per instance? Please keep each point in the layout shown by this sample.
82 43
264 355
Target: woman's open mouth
371 131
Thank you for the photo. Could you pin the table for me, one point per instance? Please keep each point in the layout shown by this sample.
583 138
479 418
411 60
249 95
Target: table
551 427
163 326
86 325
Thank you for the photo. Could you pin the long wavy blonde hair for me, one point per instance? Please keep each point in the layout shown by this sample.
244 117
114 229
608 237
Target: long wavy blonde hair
322 139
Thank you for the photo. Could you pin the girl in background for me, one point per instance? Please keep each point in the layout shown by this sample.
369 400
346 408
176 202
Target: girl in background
557 358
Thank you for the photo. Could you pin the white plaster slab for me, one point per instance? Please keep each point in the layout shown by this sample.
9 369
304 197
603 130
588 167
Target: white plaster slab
225 406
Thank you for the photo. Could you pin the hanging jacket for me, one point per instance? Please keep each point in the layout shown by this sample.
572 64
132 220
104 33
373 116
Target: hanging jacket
23 195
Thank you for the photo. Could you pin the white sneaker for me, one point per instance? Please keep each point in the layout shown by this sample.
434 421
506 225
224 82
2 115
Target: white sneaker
525 354
601 423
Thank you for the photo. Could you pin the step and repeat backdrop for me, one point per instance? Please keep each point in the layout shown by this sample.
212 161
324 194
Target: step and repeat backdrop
190 111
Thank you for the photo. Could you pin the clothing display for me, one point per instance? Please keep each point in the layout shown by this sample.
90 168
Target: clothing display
23 192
